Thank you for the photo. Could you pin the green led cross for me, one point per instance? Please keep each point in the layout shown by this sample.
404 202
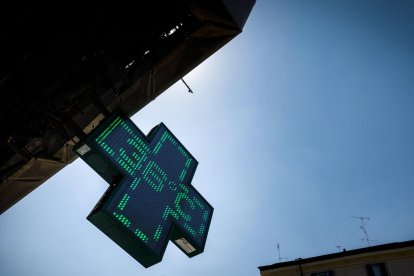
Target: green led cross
154 201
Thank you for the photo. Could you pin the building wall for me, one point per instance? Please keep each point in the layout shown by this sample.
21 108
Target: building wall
398 262
402 267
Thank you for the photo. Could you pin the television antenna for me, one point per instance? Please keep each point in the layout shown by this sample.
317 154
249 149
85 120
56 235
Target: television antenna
362 226
278 250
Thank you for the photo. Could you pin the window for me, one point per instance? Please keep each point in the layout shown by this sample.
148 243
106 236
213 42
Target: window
377 270
325 273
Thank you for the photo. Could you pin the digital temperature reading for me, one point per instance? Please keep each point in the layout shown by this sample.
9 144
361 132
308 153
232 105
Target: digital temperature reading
150 200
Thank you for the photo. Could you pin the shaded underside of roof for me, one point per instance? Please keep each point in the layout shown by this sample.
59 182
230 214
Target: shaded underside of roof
62 68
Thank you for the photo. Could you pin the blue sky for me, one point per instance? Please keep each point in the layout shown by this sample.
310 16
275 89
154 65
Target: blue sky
303 120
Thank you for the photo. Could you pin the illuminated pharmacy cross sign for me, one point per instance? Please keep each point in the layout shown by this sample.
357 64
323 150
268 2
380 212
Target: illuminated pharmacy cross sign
152 200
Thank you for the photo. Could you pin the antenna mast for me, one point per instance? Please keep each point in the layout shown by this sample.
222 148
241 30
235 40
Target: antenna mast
278 250
363 228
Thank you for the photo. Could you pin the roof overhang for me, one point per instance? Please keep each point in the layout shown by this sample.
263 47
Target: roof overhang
63 68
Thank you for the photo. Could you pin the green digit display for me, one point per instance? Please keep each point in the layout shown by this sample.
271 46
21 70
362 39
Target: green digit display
150 200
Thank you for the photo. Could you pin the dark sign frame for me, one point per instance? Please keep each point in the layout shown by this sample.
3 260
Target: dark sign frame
93 155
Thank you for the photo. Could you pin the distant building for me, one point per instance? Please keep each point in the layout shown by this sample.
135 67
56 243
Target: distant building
393 259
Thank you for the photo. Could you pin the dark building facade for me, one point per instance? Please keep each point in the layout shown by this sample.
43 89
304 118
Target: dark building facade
393 259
